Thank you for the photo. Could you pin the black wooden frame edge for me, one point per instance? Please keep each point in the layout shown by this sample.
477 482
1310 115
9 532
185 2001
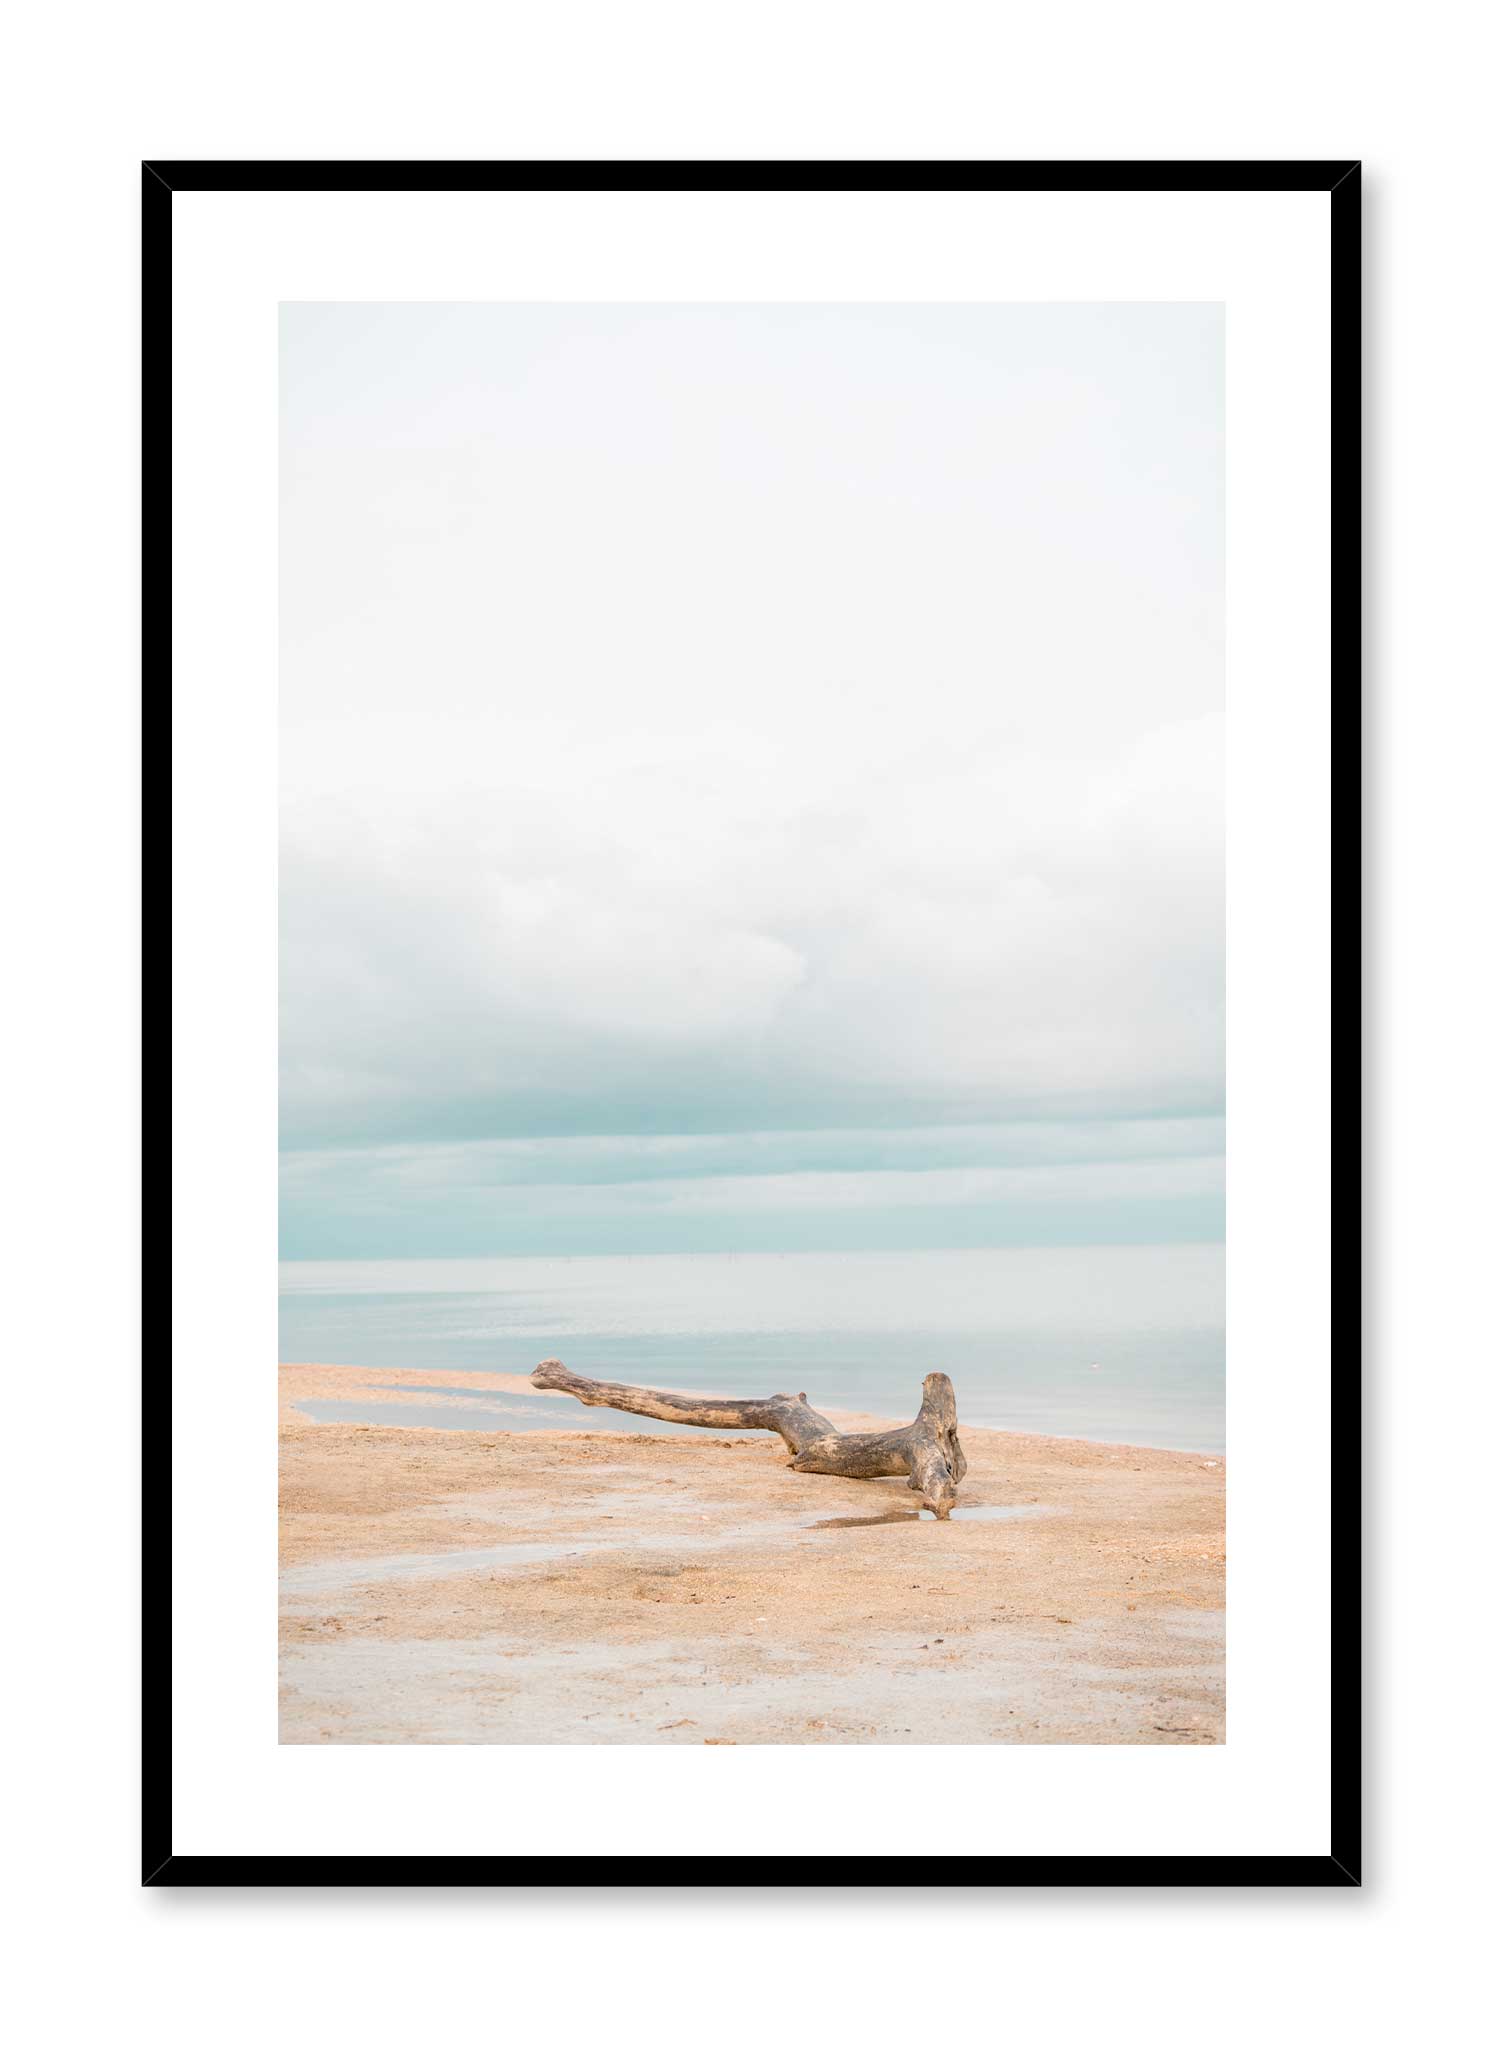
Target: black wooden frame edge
961 174
887 1872
160 178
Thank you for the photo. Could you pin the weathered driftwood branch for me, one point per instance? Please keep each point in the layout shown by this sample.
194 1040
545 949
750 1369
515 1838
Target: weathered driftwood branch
927 1449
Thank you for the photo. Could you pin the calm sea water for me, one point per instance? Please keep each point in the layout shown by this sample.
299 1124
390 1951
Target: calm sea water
1122 1344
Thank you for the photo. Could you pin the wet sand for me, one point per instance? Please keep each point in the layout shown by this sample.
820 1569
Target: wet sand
580 1585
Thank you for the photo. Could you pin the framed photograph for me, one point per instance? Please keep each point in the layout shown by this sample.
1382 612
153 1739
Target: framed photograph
754 830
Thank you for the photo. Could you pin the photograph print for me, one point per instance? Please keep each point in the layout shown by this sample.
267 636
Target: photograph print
751 1024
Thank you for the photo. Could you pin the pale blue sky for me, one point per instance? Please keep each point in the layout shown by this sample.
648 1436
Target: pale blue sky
751 777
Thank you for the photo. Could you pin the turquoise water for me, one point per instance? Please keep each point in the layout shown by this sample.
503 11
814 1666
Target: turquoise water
1121 1344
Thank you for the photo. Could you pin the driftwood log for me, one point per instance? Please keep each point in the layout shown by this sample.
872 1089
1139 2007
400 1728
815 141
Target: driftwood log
927 1449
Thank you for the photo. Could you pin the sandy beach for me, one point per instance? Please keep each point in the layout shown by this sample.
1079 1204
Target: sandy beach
580 1585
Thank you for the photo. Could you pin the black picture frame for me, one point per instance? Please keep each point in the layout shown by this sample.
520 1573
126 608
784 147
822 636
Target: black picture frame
1341 179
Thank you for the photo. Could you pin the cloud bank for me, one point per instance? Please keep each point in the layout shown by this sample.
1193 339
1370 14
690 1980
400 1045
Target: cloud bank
707 723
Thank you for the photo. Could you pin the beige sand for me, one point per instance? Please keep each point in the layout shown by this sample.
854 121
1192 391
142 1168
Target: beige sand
580 1587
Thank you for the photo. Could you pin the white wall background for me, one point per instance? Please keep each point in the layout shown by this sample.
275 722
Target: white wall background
92 91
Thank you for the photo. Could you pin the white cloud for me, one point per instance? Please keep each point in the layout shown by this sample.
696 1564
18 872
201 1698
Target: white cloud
1007 931
704 718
